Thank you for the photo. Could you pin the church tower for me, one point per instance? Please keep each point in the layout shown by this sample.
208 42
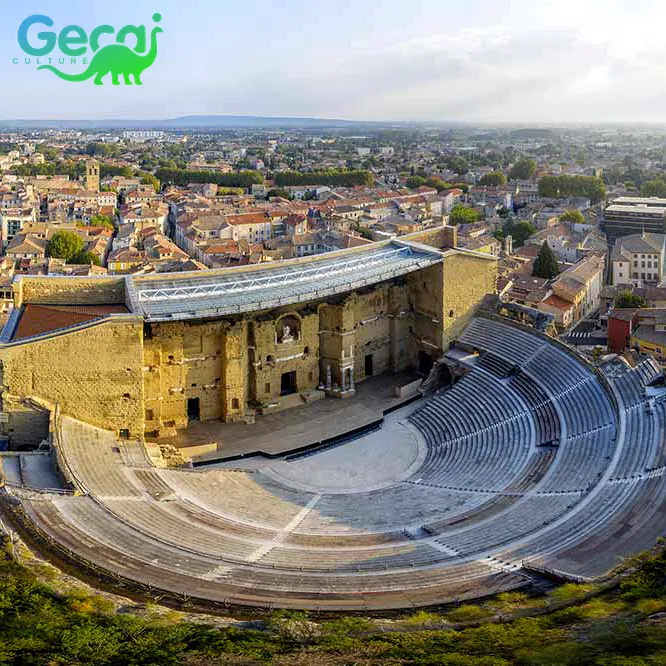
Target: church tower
92 175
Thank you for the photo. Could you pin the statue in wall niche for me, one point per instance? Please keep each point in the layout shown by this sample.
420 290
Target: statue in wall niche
286 334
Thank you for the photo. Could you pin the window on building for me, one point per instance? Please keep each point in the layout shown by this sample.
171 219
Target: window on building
235 404
267 388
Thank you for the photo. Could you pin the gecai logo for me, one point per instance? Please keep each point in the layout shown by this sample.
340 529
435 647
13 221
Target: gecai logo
115 59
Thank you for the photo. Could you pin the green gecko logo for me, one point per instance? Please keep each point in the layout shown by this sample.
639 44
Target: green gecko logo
118 60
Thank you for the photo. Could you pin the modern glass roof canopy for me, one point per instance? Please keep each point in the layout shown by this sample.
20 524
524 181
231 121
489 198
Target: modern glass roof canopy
232 291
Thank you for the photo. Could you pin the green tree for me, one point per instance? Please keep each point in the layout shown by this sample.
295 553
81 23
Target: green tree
438 184
65 245
414 182
84 257
331 177
572 186
463 215
654 188
109 170
278 192
244 179
102 221
101 149
457 164
574 216
49 152
519 231
149 179
493 179
522 169
627 299
545 265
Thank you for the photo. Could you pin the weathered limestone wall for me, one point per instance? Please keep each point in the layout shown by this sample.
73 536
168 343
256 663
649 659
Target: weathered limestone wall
28 426
183 361
274 356
426 302
235 368
467 279
70 291
94 374
334 337
440 238
378 332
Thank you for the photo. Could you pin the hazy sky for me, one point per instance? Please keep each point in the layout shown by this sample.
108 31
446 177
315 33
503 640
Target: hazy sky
470 60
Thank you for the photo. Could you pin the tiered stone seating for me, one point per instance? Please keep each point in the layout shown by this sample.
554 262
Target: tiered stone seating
405 505
580 462
486 499
545 416
533 472
95 457
642 444
584 403
517 522
85 530
226 493
660 435
408 555
163 522
649 369
630 388
496 365
475 443
507 342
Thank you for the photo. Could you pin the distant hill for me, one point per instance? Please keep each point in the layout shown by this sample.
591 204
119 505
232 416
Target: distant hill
196 122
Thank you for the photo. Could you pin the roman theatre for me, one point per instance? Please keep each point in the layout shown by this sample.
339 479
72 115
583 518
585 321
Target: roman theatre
356 431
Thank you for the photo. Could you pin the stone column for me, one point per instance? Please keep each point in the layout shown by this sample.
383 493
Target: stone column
351 379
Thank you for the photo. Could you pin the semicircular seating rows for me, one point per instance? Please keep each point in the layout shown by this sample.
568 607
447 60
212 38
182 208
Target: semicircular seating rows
533 461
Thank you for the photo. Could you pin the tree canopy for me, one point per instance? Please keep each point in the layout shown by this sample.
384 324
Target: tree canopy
493 179
441 185
244 179
545 265
522 169
574 216
627 299
457 164
654 188
149 179
331 177
102 221
65 245
101 149
414 182
278 192
84 257
463 215
520 231
572 186
42 627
